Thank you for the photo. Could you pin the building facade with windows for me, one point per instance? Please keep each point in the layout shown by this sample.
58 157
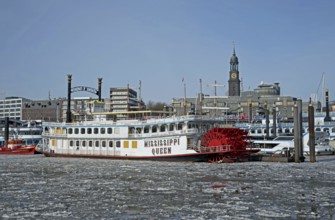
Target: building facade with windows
12 107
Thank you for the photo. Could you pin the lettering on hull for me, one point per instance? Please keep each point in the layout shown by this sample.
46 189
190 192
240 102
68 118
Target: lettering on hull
161 150
162 142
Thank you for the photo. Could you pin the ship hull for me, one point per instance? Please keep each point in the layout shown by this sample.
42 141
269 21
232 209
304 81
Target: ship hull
22 151
196 157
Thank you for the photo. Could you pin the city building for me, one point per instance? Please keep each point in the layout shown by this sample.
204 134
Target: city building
125 100
247 105
45 110
12 107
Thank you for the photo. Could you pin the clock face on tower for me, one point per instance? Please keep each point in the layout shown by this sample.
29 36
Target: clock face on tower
233 75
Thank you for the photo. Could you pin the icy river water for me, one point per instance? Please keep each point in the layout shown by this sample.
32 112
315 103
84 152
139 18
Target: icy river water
37 187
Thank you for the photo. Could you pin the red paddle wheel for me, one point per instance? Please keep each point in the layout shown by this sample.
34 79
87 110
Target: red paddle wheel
232 142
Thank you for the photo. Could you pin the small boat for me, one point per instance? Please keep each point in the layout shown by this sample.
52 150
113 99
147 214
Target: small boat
17 147
22 140
286 143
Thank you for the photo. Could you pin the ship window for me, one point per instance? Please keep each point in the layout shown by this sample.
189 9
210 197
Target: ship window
146 130
76 131
103 143
102 130
271 131
89 130
96 130
252 131
83 143
126 144
286 131
333 130
71 143
110 144
280 131
317 129
70 131
109 130
134 144
171 127
154 129
162 129
90 143
131 130
118 143
77 143
138 130
97 143
180 127
326 129
82 131
259 131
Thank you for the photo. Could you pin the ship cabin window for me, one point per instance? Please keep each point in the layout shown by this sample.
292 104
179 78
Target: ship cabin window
286 131
70 131
90 143
138 130
82 131
180 126
146 130
252 131
259 131
131 130
317 129
76 130
83 143
96 143
162 128
89 130
171 127
280 131
77 143
96 130
71 143
110 144
103 143
271 131
333 130
118 143
109 130
326 129
102 130
154 129
292 130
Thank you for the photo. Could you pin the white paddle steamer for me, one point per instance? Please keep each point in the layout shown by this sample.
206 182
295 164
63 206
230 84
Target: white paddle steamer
170 138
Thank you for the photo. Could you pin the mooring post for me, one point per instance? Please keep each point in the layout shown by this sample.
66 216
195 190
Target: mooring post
296 134
68 111
267 121
311 122
301 144
327 118
6 131
274 118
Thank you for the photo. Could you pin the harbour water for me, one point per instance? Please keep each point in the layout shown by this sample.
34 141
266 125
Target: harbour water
37 187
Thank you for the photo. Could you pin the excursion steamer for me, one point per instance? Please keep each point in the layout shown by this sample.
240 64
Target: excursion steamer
185 138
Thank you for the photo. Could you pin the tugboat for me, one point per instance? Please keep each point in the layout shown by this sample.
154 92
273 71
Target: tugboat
17 147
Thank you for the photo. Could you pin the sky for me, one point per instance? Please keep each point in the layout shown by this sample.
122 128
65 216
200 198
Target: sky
162 42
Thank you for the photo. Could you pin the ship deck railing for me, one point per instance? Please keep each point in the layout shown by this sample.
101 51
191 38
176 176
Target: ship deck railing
136 121
222 148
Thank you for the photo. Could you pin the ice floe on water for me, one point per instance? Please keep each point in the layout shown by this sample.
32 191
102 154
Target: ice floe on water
36 187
